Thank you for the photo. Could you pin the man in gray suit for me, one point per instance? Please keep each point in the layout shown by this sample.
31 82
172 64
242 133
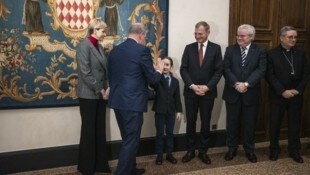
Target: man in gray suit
92 89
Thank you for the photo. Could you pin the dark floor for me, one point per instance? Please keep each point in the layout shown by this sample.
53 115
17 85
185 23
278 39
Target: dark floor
239 165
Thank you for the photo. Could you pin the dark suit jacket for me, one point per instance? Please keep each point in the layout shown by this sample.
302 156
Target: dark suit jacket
252 72
167 99
92 70
130 70
279 74
208 74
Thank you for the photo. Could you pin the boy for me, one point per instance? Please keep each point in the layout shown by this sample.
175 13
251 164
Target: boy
167 106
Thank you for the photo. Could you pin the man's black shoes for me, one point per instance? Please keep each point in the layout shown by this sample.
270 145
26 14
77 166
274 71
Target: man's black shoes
230 155
188 157
138 171
251 157
159 159
204 158
171 159
274 155
296 157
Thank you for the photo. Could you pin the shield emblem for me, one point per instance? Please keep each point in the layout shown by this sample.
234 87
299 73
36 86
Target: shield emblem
73 17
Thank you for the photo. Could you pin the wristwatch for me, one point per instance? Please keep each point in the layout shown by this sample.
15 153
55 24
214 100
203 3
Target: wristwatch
246 84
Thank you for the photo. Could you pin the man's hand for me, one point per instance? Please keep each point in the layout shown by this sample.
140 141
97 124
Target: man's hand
204 88
241 87
159 65
198 90
289 93
294 91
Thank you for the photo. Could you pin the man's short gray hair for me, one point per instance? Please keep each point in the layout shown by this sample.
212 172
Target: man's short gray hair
204 24
285 29
249 28
136 28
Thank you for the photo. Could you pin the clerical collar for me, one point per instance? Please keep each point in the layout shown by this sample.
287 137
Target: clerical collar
285 49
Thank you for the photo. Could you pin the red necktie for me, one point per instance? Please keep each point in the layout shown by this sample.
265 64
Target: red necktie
200 54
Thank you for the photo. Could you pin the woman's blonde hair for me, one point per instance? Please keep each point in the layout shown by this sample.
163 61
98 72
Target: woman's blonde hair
96 24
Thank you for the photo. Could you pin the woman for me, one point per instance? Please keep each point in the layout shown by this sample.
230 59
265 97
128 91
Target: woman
92 91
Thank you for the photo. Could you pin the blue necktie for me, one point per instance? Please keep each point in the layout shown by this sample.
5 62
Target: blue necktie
168 81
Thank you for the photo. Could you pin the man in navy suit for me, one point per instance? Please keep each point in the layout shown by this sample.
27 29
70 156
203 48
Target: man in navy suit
130 69
244 66
201 70
287 73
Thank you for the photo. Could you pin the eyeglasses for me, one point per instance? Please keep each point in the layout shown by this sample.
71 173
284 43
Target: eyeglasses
241 36
291 37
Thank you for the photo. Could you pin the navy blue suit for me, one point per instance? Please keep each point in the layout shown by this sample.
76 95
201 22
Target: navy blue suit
130 70
242 106
166 103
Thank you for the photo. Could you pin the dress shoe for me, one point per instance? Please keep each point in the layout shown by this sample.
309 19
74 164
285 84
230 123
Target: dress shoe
138 171
230 155
296 157
188 157
204 158
104 171
86 173
274 155
171 159
251 157
159 159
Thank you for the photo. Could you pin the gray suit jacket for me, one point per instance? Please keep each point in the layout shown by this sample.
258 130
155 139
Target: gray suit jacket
92 70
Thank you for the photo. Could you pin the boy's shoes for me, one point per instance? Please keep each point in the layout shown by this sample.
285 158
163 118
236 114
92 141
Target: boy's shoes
171 159
159 159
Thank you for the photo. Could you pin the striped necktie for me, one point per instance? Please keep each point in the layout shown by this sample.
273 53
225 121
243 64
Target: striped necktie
243 56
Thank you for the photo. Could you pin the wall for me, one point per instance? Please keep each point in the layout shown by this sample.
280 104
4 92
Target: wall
24 129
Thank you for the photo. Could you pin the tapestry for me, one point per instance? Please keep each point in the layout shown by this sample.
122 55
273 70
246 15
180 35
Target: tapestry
39 38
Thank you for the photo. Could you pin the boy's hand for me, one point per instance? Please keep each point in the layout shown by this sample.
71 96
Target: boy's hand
178 116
